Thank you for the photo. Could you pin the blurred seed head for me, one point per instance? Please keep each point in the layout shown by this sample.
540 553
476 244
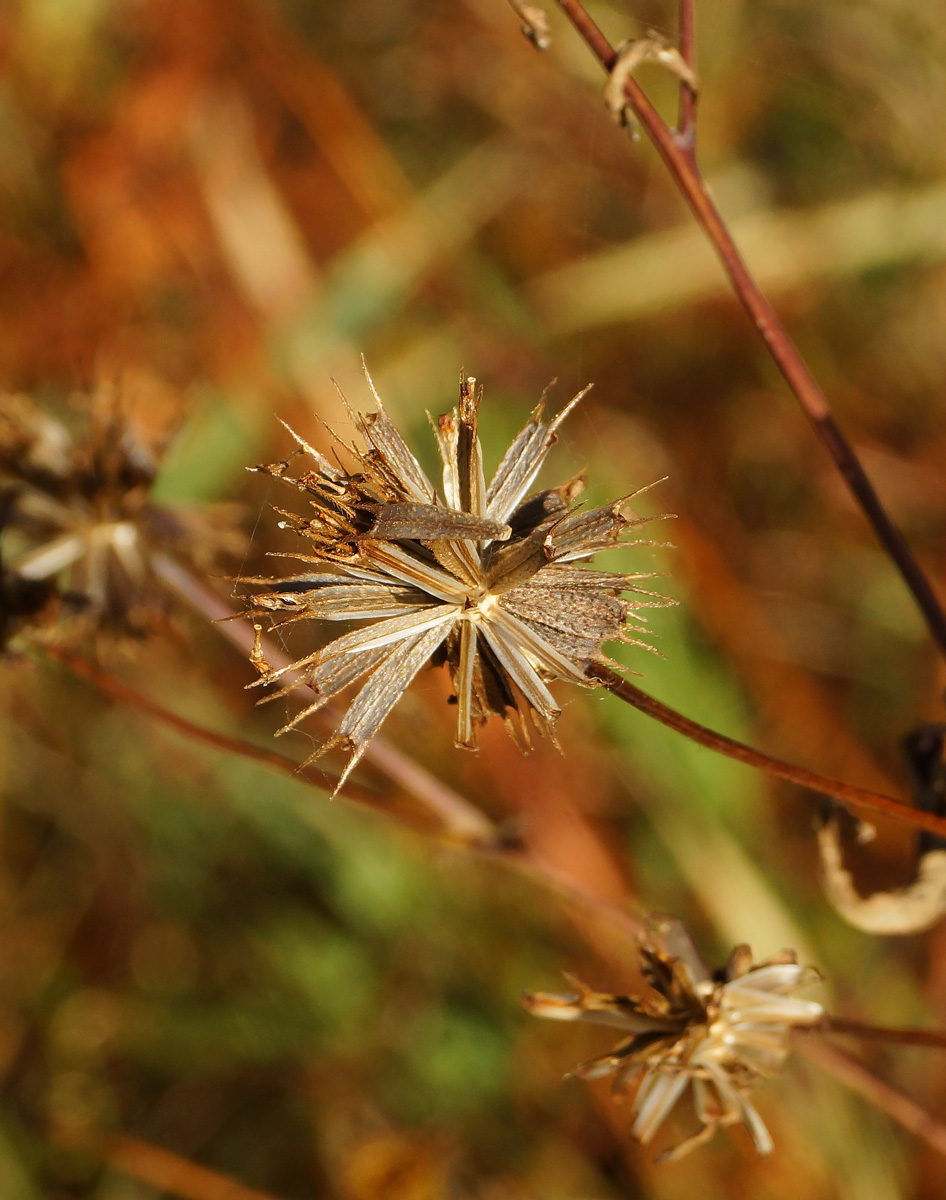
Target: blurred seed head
487 578
79 531
718 1032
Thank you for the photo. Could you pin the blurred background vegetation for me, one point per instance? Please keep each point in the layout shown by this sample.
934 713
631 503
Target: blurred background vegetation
213 208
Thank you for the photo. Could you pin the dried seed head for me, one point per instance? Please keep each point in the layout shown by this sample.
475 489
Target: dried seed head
484 577
720 1032
79 527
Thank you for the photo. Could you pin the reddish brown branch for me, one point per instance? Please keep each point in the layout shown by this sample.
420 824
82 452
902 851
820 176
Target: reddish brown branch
933 1038
846 793
676 150
857 1077
112 687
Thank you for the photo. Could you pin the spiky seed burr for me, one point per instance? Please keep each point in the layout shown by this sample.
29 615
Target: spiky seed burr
485 577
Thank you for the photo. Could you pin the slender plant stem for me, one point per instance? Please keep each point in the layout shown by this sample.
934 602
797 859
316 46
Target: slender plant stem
933 1038
494 848
676 150
466 821
857 1077
110 686
846 793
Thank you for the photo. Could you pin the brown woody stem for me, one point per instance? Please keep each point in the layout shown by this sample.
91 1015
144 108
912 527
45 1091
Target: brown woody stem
109 686
933 1038
513 856
846 793
857 1077
676 150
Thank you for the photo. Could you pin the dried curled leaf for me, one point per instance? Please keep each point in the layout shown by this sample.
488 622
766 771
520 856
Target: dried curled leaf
651 48
900 912
484 577
719 1032
534 23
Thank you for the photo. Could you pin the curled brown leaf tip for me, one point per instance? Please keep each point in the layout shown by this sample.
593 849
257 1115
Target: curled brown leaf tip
534 23
485 577
903 911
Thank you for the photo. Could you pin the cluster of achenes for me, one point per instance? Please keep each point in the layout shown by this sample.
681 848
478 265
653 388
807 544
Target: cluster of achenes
486 578
492 580
718 1031
79 529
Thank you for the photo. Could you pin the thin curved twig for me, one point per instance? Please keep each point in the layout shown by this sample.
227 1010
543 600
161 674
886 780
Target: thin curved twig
846 793
283 763
676 148
495 848
934 1039
467 822
856 1076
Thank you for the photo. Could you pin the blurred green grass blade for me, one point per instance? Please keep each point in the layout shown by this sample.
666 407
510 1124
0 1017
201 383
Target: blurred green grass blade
14 1172
206 459
671 269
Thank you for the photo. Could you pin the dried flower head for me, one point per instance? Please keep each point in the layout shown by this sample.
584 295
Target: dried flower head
485 579
79 528
720 1032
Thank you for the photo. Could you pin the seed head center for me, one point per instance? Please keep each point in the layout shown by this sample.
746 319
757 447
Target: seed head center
481 606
